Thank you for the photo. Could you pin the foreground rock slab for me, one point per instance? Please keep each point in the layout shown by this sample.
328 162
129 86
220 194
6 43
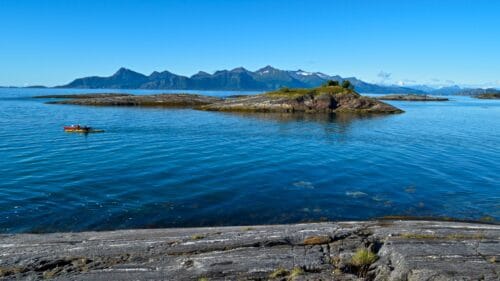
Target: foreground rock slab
411 98
404 250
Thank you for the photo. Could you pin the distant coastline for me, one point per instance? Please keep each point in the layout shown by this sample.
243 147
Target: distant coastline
240 79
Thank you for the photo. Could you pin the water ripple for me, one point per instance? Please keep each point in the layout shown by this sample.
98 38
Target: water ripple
173 167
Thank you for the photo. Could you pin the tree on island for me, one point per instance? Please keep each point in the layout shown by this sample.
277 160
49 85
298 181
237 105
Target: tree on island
332 83
346 84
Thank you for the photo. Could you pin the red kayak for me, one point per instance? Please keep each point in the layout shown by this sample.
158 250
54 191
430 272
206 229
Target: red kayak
81 129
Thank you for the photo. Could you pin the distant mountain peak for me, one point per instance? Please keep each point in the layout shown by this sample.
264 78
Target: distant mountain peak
122 70
267 69
324 76
201 73
125 71
239 69
304 73
160 75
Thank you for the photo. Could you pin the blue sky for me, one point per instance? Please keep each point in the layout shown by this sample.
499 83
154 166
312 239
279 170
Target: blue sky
433 42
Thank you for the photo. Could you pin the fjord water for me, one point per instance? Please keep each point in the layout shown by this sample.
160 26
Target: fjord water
156 167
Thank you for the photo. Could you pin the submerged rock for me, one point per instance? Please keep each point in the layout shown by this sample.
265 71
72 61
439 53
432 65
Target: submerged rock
165 100
356 194
332 99
411 98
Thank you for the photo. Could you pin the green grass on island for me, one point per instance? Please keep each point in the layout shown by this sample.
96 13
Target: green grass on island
330 88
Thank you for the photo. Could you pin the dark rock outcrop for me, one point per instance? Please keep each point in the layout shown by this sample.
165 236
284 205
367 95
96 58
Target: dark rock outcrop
399 250
324 99
411 98
488 96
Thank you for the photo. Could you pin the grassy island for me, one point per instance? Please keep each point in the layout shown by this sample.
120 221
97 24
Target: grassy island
327 99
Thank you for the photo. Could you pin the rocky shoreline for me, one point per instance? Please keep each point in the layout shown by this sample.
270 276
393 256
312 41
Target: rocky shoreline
366 250
326 99
411 98
160 100
488 96
83 96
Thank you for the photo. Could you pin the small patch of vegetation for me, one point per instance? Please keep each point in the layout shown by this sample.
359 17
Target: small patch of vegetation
296 272
487 219
279 272
335 261
332 83
197 236
456 236
296 93
346 84
203 279
50 274
363 257
6 271
291 93
418 236
337 271
317 240
361 261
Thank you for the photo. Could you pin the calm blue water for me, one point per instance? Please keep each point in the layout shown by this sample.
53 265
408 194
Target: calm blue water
158 167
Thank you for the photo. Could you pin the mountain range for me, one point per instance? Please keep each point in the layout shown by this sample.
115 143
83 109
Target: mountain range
238 79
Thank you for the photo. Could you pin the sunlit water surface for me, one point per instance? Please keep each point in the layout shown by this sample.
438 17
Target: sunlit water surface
156 167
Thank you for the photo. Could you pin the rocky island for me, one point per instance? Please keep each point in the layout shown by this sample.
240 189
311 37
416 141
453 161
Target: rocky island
83 96
489 96
411 97
327 99
324 99
385 250
161 100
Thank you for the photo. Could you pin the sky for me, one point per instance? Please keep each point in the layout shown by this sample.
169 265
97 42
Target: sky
51 42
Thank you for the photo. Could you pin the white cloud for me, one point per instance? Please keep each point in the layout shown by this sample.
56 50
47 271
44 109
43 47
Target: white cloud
384 75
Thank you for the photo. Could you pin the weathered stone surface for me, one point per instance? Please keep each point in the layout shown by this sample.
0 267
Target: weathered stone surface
165 100
411 98
407 250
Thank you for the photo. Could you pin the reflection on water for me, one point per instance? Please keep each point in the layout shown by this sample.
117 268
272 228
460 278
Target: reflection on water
341 118
333 124
156 167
